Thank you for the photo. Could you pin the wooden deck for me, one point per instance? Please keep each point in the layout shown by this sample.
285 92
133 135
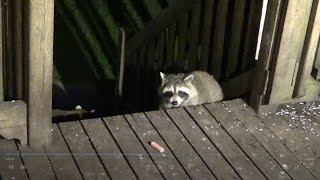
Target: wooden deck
214 141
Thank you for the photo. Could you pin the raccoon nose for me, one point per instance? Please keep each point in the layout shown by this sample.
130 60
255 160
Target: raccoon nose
174 103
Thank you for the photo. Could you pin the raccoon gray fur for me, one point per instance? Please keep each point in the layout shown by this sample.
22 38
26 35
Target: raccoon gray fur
198 87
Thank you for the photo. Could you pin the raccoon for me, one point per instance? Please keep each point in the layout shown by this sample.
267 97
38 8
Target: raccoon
198 87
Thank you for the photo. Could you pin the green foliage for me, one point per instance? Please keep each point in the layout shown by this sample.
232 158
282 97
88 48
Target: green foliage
94 27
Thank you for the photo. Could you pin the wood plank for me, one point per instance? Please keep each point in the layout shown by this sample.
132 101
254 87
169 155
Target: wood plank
40 71
150 90
180 146
132 148
202 144
17 48
2 44
192 56
141 59
229 149
251 40
159 24
304 118
290 49
82 151
13 120
60 157
170 47
235 39
268 42
205 35
295 141
8 55
160 51
248 143
36 163
108 150
219 37
11 166
309 52
182 26
269 140
170 166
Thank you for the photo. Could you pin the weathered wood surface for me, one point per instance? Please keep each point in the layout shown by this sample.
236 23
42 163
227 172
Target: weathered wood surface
13 120
108 149
308 53
80 146
61 159
269 140
224 140
40 60
1 57
11 166
290 50
35 158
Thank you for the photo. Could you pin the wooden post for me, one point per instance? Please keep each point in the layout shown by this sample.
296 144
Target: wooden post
1 60
39 58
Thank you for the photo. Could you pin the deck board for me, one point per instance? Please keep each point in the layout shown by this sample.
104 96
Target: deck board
254 150
235 156
296 142
207 151
64 166
143 166
84 154
269 140
104 144
33 162
170 167
11 166
224 140
179 145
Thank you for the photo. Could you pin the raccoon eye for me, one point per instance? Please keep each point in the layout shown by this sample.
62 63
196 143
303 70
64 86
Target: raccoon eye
183 94
168 94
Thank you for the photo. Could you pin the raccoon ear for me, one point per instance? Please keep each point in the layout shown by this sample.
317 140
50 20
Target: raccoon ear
188 79
163 76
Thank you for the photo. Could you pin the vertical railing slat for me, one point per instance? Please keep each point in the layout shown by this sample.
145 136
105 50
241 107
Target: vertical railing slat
218 37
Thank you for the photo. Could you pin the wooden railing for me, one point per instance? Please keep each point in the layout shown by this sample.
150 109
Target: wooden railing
218 36
27 50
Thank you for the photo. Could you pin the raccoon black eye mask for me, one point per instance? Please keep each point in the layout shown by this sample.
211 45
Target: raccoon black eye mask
181 94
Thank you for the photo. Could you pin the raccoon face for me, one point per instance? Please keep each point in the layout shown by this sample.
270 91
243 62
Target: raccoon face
174 90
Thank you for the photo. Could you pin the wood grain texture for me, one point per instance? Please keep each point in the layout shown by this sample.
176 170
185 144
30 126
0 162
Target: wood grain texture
41 15
290 50
170 166
11 166
141 162
84 154
178 143
105 145
13 120
309 53
35 158
269 140
1 57
60 157
250 145
200 142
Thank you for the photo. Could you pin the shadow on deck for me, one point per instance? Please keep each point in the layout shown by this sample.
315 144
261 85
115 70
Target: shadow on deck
214 141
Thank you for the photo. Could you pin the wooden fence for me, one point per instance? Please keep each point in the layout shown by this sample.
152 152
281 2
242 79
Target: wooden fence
218 36
287 58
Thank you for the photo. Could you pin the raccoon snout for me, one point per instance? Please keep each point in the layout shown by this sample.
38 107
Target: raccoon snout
174 103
